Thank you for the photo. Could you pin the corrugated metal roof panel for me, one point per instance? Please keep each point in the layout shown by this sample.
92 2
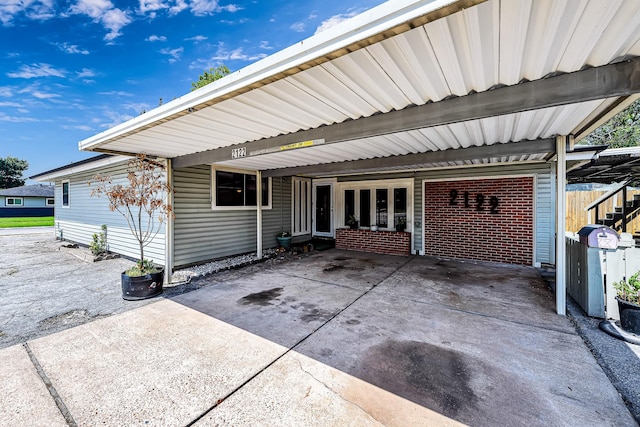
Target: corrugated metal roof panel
500 42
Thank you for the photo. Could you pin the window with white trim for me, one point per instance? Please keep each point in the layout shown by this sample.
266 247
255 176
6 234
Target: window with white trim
13 201
65 193
385 203
233 190
300 206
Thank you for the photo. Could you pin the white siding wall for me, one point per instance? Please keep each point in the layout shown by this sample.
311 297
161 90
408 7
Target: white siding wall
203 234
85 215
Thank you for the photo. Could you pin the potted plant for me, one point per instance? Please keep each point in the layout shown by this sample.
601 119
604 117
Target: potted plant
352 222
284 239
402 224
629 303
142 202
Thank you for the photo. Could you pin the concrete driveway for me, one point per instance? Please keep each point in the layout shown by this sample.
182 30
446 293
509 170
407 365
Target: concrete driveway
336 338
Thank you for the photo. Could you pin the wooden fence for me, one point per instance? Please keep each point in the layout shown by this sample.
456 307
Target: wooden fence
578 217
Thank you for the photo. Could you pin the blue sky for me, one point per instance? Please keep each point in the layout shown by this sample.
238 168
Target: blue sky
71 69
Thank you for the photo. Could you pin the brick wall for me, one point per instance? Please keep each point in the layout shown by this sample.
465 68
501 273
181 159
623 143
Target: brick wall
500 230
379 242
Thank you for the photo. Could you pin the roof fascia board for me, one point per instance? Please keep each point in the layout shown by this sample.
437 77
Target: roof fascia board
77 168
620 79
319 48
409 161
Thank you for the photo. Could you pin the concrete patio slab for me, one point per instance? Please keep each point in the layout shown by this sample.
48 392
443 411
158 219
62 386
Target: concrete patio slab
305 343
25 398
162 364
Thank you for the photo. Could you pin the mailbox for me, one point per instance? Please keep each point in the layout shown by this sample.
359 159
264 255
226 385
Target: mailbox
599 236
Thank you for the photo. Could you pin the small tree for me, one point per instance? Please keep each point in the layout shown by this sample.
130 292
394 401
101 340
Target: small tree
141 202
210 76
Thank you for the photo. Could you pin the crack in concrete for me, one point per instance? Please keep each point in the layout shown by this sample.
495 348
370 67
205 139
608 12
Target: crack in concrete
341 397
52 390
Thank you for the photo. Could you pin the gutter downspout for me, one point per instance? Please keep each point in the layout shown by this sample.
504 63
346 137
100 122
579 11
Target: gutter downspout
259 214
561 224
169 238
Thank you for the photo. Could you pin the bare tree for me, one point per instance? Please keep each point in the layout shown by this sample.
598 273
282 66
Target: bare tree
142 202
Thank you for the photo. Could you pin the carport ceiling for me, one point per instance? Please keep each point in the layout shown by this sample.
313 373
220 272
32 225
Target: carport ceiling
408 78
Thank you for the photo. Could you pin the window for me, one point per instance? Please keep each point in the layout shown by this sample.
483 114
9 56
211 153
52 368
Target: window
50 202
301 206
13 201
365 208
382 207
238 190
385 203
65 194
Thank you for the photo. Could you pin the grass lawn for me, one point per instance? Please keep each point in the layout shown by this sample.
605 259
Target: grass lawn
26 222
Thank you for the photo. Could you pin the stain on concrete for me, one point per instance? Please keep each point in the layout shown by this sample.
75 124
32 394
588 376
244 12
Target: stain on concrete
340 258
332 267
432 376
352 322
262 298
311 313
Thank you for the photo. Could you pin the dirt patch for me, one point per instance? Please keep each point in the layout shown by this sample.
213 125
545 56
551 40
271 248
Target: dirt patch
67 320
312 313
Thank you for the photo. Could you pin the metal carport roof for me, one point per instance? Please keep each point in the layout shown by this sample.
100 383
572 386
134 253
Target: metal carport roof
403 81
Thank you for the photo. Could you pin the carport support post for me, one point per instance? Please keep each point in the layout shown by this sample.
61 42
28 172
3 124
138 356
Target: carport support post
259 214
169 236
561 224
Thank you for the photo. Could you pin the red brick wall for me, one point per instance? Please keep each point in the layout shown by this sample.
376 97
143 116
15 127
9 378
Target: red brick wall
378 242
460 230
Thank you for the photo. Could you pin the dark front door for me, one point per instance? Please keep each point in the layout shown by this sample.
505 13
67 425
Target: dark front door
323 210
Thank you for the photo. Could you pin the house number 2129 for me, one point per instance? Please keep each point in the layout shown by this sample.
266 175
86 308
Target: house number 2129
480 201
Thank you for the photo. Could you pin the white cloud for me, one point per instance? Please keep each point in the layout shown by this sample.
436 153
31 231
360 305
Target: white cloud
115 93
298 27
178 7
196 39
114 118
173 53
15 119
43 95
152 6
334 20
104 13
137 106
225 55
39 10
6 91
10 104
265 45
37 70
71 48
86 72
154 38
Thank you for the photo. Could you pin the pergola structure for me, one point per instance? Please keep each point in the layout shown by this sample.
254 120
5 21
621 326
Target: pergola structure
411 84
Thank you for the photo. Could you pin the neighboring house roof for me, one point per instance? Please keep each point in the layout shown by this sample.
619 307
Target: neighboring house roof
81 166
37 190
483 82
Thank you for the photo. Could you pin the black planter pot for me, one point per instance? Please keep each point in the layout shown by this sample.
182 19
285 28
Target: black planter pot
629 316
142 287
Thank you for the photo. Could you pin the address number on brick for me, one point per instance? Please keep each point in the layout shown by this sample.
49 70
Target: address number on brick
479 200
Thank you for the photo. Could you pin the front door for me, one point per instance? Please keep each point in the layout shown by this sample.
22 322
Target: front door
323 209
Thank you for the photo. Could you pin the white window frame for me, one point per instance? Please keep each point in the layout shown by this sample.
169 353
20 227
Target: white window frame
214 207
68 194
303 209
373 185
46 201
14 204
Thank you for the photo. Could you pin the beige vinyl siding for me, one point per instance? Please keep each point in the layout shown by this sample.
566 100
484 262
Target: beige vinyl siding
85 215
203 234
